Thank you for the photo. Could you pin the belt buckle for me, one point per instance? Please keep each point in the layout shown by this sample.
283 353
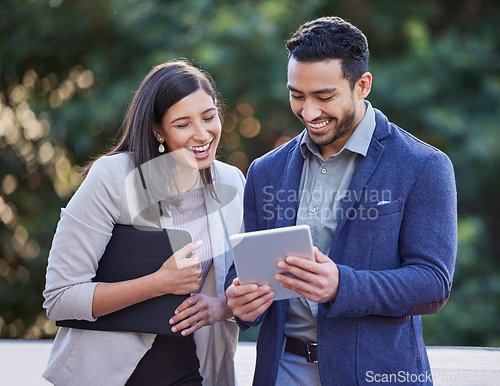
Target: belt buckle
308 352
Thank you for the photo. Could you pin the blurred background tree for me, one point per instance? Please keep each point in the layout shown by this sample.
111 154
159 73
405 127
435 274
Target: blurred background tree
69 69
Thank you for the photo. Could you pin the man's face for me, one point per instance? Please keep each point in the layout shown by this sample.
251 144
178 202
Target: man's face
322 99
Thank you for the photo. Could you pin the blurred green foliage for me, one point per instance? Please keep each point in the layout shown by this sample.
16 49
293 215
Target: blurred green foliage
69 69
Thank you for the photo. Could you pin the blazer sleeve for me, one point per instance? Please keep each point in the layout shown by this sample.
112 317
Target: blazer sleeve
250 223
427 248
81 236
248 216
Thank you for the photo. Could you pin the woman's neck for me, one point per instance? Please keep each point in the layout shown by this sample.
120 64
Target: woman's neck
186 178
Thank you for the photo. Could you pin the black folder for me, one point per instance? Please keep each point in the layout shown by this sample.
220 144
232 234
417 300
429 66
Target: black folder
133 253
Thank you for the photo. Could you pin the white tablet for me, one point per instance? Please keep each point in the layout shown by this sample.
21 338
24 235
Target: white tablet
256 254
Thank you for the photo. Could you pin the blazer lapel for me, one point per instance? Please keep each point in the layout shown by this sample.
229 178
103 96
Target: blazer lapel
362 174
217 238
224 217
365 169
290 183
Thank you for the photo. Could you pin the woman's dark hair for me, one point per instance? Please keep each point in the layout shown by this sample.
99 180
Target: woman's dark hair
165 85
331 38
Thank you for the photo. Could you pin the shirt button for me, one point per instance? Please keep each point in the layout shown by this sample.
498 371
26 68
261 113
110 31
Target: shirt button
313 210
323 170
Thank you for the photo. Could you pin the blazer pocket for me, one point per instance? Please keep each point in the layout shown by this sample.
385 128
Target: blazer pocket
385 208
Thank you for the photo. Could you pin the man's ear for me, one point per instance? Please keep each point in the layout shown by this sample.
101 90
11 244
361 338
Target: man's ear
363 85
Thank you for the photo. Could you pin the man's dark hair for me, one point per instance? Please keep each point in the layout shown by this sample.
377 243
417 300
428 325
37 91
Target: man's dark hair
331 38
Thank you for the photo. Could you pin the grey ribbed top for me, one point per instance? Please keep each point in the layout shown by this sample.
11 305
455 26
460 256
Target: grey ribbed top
191 216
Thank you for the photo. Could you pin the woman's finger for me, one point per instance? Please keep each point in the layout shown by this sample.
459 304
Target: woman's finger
189 302
191 323
185 257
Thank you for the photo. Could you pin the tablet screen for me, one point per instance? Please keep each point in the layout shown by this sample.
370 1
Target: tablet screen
256 254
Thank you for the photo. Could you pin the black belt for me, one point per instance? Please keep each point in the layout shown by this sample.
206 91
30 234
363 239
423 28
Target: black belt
306 350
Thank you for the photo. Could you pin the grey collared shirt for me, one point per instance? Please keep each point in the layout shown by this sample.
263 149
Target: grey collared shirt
323 185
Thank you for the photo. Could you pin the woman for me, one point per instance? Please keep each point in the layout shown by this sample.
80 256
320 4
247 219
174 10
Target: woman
162 174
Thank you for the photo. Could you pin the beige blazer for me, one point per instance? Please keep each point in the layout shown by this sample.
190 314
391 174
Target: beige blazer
83 357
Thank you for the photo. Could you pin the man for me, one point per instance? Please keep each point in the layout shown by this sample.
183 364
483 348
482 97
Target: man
381 206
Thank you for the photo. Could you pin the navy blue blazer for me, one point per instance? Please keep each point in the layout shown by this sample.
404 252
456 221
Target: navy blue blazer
395 247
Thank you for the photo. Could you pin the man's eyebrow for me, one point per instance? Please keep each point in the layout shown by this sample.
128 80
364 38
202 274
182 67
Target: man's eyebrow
204 112
325 91
293 89
322 91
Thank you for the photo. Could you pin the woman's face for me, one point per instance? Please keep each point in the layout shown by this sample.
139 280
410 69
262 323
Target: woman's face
192 129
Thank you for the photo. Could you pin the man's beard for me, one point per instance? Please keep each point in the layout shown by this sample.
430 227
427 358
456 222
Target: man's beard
340 129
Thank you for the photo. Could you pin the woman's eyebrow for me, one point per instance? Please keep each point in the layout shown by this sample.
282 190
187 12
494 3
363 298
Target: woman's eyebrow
204 112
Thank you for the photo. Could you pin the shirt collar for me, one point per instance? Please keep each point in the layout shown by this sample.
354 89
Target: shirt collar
358 142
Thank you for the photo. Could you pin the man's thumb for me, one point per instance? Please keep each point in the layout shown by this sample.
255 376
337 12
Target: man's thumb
320 257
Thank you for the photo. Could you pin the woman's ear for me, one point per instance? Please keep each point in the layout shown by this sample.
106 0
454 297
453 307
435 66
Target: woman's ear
157 131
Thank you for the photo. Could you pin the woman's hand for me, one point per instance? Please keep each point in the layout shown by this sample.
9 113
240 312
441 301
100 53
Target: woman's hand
180 275
199 310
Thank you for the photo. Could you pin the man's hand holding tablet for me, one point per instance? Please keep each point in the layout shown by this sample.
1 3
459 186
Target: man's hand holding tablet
278 264
317 280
